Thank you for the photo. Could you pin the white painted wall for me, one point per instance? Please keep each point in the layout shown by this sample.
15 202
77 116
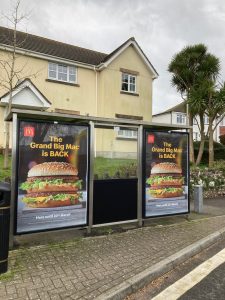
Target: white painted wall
27 98
162 118
171 118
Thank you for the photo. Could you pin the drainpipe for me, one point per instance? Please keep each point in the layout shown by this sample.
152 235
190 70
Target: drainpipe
96 91
96 107
187 115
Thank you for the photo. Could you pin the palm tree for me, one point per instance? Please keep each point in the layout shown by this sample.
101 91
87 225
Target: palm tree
189 67
215 109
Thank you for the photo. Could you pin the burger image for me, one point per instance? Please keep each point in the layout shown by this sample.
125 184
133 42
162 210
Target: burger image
52 184
166 181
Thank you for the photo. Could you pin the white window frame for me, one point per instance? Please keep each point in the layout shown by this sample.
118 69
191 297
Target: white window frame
68 73
180 117
123 133
129 83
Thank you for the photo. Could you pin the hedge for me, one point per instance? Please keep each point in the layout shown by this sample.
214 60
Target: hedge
219 151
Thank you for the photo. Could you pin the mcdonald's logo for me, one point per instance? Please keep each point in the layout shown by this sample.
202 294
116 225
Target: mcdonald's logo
28 131
151 139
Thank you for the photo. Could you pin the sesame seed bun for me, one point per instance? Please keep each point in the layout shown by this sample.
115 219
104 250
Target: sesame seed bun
53 168
166 168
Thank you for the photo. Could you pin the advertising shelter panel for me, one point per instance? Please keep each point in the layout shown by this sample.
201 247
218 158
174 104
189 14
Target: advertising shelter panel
52 176
166 174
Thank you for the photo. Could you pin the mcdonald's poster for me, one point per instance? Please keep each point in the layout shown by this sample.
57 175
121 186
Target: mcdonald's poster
52 176
166 173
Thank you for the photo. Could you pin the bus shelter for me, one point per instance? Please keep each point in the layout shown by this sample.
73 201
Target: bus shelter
53 181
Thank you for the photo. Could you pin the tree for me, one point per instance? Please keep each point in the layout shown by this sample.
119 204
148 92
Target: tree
197 101
10 74
215 109
209 99
189 67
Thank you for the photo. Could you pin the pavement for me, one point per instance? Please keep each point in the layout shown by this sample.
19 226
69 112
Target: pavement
110 266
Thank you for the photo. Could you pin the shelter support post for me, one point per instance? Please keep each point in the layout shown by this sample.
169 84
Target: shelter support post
91 176
140 174
13 180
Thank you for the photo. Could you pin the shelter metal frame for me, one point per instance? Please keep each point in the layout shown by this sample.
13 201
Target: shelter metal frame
93 122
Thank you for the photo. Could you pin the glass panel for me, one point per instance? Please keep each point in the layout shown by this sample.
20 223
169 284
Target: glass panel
52 67
72 74
124 86
62 76
52 73
132 79
132 88
62 72
179 118
135 133
62 69
206 119
125 77
72 78
114 158
72 70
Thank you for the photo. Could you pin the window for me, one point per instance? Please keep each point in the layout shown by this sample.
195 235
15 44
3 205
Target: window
206 119
62 72
127 134
195 136
128 83
195 122
181 118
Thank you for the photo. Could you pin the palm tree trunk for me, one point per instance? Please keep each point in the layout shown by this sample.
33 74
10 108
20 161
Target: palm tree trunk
211 147
202 143
191 145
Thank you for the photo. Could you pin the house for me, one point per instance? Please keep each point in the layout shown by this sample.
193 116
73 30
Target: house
63 78
177 115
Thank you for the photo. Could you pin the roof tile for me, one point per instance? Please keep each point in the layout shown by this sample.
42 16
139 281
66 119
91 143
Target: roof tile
50 47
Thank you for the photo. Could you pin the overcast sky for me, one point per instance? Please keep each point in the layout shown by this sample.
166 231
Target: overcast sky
161 27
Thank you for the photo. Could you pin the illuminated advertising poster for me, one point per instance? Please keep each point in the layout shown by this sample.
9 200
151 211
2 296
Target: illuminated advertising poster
166 173
52 176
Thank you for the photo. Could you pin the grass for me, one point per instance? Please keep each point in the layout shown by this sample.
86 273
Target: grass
101 166
110 166
4 173
14 267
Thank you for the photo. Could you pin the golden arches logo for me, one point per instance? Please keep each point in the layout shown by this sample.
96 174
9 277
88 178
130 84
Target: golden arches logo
28 131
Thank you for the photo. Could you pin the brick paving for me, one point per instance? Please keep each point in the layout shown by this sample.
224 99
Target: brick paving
86 267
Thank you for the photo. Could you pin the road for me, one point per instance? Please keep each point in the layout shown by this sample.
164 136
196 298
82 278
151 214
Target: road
201 277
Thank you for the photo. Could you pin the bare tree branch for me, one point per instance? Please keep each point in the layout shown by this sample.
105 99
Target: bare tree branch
12 73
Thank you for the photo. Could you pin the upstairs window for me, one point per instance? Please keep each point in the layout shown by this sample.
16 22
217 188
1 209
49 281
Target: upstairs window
62 72
181 118
206 119
128 83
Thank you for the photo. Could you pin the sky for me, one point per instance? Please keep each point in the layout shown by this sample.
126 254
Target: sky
161 27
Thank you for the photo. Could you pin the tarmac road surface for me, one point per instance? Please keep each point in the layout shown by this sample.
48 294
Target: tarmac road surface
201 277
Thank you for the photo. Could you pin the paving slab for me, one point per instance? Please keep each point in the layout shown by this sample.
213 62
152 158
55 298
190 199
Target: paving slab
87 268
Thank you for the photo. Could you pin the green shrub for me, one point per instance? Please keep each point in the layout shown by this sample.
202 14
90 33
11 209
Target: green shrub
219 151
222 139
